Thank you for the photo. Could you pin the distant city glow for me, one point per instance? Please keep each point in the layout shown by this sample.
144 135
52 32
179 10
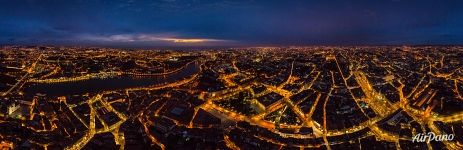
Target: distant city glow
190 40
149 38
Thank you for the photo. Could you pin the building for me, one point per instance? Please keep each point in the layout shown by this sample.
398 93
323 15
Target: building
5 145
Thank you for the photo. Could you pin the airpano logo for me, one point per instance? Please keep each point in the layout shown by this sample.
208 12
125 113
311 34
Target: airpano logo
431 136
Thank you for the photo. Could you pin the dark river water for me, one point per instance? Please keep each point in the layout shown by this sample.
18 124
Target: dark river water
113 83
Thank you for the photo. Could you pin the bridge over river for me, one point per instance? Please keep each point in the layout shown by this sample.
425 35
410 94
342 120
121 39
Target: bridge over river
94 85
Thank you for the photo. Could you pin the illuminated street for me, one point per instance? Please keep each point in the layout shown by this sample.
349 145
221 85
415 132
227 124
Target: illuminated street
269 98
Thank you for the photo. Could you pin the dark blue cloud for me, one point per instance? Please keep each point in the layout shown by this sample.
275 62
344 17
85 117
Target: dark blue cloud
230 22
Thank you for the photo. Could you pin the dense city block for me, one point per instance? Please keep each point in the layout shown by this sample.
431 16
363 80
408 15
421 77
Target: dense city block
238 98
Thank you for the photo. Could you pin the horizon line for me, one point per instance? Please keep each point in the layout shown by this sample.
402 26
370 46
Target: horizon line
225 46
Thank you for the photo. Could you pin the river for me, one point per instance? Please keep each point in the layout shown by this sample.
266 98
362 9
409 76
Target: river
107 84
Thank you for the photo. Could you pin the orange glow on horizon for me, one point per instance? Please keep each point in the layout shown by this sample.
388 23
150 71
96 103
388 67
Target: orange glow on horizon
193 40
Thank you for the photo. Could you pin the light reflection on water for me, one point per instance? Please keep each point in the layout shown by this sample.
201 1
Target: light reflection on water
114 83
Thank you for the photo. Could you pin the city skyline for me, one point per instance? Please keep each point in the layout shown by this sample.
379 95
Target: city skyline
244 98
231 74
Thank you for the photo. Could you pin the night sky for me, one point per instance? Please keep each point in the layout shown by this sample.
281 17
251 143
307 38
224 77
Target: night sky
151 23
